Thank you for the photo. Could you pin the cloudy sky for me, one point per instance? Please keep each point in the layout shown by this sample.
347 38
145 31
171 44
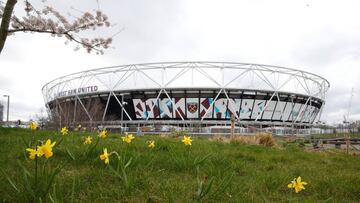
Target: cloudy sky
319 36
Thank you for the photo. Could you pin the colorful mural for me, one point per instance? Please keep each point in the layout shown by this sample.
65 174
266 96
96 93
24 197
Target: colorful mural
222 108
205 105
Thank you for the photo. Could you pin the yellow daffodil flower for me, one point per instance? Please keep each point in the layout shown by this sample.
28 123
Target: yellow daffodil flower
33 153
151 144
131 137
297 184
187 140
103 134
64 131
88 140
127 138
105 156
46 148
33 125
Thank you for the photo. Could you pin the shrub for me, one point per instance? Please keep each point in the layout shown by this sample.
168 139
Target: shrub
265 139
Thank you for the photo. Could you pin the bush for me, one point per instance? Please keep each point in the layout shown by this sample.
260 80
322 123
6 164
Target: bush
265 139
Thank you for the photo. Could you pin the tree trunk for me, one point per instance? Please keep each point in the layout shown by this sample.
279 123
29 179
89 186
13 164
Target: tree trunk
5 22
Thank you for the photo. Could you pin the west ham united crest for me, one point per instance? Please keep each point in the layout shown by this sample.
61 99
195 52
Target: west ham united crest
192 107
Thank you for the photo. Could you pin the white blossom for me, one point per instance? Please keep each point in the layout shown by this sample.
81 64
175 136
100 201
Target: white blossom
48 20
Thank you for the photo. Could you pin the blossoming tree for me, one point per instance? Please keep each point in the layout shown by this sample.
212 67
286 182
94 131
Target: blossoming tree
50 21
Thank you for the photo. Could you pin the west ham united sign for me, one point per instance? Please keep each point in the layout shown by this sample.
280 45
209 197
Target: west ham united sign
192 107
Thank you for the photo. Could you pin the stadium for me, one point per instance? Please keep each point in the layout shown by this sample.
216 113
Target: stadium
187 93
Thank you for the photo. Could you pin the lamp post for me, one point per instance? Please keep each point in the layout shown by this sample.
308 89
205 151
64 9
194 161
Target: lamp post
8 104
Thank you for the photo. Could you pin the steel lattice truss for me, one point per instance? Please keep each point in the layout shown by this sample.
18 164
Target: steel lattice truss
165 77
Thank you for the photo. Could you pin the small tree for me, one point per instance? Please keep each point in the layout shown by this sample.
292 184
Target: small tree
50 21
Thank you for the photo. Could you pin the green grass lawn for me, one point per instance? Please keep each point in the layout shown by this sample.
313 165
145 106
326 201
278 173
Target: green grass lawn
171 172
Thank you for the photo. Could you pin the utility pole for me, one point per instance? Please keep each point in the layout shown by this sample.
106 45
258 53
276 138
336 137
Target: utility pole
8 105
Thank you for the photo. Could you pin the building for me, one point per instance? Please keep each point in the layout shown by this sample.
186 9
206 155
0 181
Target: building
188 93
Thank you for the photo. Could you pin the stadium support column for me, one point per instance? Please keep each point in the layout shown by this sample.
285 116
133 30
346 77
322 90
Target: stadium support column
86 111
106 107
57 109
320 112
212 103
303 108
152 107
292 114
279 102
267 104
231 105
75 111
172 103
122 111
121 105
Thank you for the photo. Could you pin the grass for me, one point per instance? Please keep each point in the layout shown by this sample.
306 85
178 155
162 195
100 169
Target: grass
222 172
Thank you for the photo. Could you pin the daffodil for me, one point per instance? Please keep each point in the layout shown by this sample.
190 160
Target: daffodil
103 134
33 125
187 140
105 156
46 148
128 138
297 184
33 153
64 131
151 144
131 137
88 140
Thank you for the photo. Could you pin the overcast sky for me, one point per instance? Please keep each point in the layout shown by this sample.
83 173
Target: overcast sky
322 37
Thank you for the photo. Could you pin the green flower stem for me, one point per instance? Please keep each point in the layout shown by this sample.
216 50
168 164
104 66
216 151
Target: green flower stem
36 167
33 137
93 147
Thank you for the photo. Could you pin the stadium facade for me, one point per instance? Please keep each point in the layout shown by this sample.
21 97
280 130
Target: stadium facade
187 92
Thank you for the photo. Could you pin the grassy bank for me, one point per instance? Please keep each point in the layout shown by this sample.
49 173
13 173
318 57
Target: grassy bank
208 171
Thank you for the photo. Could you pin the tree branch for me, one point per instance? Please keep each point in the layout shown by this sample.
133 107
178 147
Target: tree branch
31 30
70 37
50 21
5 22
